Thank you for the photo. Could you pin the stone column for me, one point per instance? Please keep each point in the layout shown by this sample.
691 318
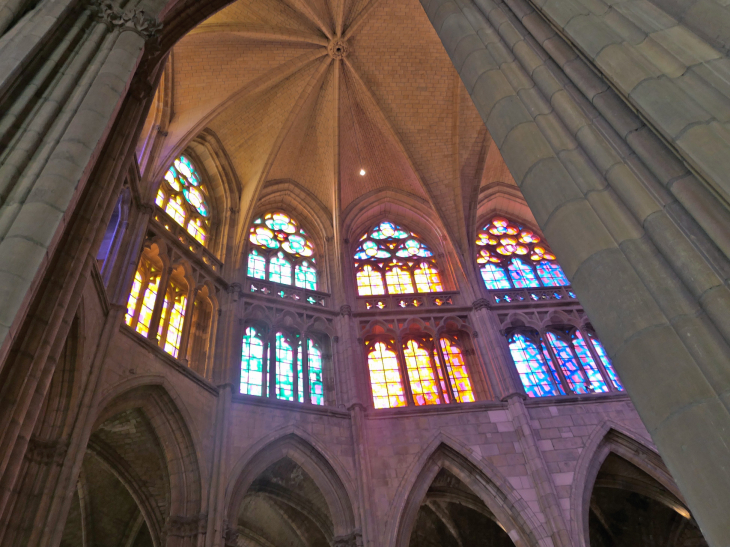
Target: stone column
658 302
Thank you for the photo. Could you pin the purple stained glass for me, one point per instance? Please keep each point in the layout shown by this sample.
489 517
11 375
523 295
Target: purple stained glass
531 367
551 274
495 277
601 351
522 274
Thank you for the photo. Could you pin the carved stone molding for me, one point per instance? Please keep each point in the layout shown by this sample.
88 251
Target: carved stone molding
351 540
146 209
179 526
338 48
133 20
46 452
236 290
346 310
481 304
230 535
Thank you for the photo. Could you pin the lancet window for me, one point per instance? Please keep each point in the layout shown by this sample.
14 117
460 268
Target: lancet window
512 256
183 196
435 373
166 308
282 365
282 252
562 361
393 260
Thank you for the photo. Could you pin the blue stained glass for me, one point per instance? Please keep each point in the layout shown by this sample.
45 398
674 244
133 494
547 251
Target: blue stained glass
252 354
551 274
316 384
589 365
522 274
571 370
360 255
531 367
495 277
551 366
382 254
280 269
305 276
601 351
284 369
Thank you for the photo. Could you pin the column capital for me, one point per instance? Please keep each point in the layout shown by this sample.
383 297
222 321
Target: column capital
135 20
346 310
480 304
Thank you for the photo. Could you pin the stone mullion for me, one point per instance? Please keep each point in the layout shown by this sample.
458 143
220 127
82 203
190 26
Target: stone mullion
445 370
545 342
272 364
265 339
295 368
547 496
182 353
588 384
162 288
403 367
616 270
434 371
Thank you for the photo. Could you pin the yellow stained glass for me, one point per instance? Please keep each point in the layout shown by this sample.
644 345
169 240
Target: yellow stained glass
148 305
133 297
444 388
197 230
427 278
160 199
385 377
458 373
175 210
399 280
175 326
369 282
421 375
163 316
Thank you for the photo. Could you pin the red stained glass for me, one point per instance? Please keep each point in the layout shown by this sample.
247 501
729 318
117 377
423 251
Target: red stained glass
458 373
421 374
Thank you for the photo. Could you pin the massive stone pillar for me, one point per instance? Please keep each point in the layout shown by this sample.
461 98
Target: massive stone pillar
642 239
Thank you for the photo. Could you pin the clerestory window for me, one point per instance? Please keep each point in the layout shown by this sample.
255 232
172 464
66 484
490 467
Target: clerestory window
393 260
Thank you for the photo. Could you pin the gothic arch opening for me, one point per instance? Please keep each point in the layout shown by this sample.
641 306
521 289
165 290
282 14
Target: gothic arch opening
451 515
629 507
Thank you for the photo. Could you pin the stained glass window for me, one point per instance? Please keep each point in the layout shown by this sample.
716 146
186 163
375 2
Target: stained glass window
182 195
421 374
510 255
568 364
369 282
148 305
385 377
406 260
398 280
252 363
175 322
458 374
278 239
531 366
605 361
280 269
316 383
256 265
589 365
284 368
134 297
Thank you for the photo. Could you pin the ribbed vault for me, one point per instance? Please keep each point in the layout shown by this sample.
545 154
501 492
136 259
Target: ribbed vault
316 90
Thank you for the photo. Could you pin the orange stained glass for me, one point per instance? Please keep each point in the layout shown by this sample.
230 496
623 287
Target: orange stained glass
369 282
458 373
148 305
444 388
133 297
421 374
163 316
399 280
427 278
175 210
385 377
197 230
174 328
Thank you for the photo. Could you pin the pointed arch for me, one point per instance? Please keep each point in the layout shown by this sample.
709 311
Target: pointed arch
327 473
444 452
610 437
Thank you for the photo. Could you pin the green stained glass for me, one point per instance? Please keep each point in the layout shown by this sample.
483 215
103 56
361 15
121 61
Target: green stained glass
305 276
284 369
256 265
195 198
316 384
252 370
280 269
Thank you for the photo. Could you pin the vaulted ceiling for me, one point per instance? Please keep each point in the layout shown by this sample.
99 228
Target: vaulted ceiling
316 90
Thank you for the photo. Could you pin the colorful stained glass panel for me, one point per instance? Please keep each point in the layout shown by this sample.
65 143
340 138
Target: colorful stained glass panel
601 351
256 265
531 367
148 305
284 368
369 282
567 362
589 365
252 363
175 325
522 274
495 277
551 274
458 373
305 276
398 280
421 374
280 269
385 377
427 278
316 379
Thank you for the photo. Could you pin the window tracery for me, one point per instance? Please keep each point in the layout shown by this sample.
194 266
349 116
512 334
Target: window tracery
435 373
512 256
562 361
282 252
182 195
291 363
393 259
